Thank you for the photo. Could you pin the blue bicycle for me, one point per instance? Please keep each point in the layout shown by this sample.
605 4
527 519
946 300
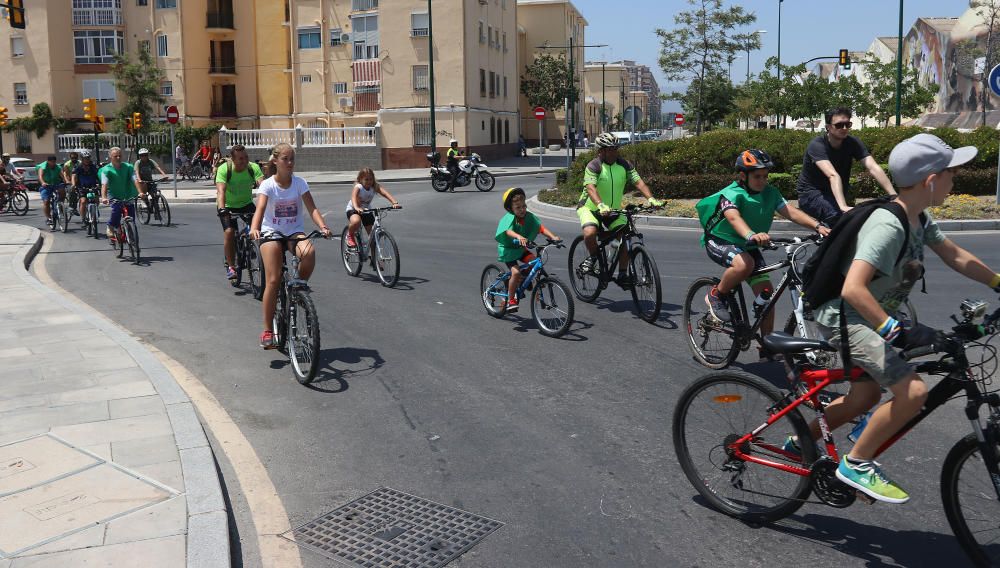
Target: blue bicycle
551 301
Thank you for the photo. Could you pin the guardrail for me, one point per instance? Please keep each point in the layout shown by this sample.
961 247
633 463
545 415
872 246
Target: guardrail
72 142
300 137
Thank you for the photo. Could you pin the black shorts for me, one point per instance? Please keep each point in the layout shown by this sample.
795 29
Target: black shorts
229 221
367 219
528 256
723 252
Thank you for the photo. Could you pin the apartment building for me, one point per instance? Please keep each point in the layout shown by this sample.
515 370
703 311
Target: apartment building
604 86
546 26
641 78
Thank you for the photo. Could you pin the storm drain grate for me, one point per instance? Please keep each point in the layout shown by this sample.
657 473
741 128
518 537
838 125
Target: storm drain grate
392 528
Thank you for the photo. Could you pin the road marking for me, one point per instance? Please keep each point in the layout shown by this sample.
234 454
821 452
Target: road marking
266 510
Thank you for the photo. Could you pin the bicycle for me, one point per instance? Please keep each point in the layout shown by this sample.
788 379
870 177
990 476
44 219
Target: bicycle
57 209
551 303
296 325
713 425
157 208
643 276
385 261
92 215
127 232
248 258
14 199
191 171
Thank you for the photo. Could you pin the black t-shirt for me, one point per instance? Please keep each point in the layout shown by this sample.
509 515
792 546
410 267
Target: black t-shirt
813 179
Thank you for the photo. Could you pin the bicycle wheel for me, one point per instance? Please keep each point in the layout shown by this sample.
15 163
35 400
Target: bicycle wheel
970 501
646 290
719 409
94 225
351 258
493 290
64 213
255 270
386 258
241 261
164 210
303 336
19 203
552 307
586 283
143 212
712 342
278 322
132 236
53 215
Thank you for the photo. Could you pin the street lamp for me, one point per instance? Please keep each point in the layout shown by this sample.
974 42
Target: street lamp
779 53
750 35
899 67
570 114
430 57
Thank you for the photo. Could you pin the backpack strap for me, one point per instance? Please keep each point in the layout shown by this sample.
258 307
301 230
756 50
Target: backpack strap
900 214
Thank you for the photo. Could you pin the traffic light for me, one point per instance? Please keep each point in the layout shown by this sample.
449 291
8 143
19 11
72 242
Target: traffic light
90 109
845 59
15 13
128 126
3 117
99 123
137 121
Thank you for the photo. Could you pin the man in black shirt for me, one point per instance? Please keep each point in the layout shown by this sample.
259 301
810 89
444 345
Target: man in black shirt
825 180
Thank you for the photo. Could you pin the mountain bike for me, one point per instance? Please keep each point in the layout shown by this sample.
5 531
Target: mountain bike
729 430
191 171
551 303
14 199
68 207
92 215
57 208
157 209
384 260
248 258
127 232
643 278
296 325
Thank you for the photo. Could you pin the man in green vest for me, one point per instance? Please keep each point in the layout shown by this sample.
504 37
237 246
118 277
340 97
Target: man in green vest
118 184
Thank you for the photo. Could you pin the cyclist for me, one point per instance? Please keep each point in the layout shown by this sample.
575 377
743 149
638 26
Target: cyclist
180 156
50 178
875 284
741 218
118 180
84 177
282 205
361 198
516 229
144 173
234 183
203 156
454 155
68 167
604 182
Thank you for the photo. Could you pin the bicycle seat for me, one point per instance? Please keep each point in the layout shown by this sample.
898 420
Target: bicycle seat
781 342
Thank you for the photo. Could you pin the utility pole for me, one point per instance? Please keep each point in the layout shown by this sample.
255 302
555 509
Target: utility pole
570 101
430 72
899 68
604 108
779 55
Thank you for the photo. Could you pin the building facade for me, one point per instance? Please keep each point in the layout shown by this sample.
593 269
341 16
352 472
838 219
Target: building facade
605 86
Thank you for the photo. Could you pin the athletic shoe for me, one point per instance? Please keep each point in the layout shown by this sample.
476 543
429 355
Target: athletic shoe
230 273
717 305
589 265
111 234
868 478
267 340
512 305
352 245
792 447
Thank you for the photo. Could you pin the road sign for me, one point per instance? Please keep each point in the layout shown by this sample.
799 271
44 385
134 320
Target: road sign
539 113
679 119
172 114
995 80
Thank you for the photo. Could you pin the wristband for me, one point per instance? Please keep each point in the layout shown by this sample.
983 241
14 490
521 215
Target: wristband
995 282
749 235
890 329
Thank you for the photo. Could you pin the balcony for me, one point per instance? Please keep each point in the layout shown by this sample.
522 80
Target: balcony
219 22
222 69
220 110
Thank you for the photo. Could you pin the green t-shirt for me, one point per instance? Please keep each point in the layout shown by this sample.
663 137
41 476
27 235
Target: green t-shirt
69 166
878 243
756 209
610 181
121 182
507 251
239 188
49 175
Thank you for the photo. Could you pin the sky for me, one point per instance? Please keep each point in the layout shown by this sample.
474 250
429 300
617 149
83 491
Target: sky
629 29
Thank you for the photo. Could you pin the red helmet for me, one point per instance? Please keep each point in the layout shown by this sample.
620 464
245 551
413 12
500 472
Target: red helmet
753 159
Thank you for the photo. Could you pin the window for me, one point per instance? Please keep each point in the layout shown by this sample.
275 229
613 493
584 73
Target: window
496 39
420 78
99 89
167 89
506 131
421 131
340 88
505 86
489 34
493 92
161 45
493 131
144 45
505 42
142 2
20 93
365 34
336 37
497 88
166 3
305 78
482 82
16 46
482 33
97 46
420 24
97 13
309 38
22 141
363 5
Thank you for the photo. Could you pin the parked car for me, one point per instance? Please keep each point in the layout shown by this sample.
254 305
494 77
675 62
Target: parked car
25 168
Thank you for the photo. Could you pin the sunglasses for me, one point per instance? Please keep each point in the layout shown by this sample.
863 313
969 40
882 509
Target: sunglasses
843 125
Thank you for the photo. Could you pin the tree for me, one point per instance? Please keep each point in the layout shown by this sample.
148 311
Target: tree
546 82
852 93
989 11
882 86
700 45
139 81
807 94
708 102
40 121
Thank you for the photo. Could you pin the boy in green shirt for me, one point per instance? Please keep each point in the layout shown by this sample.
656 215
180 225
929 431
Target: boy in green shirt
516 229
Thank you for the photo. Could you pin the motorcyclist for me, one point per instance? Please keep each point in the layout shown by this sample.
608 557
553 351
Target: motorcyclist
454 155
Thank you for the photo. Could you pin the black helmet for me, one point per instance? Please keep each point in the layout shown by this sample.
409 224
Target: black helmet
750 160
508 196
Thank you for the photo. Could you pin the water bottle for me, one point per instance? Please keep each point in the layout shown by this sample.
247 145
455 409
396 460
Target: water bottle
760 301
857 430
613 248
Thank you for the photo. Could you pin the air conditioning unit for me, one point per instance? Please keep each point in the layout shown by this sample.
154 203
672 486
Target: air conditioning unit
346 102
345 38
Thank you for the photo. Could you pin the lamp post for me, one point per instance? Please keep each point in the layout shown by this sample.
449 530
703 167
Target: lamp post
749 36
779 54
571 102
604 108
430 70
899 67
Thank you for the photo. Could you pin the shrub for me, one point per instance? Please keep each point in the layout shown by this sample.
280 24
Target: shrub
965 207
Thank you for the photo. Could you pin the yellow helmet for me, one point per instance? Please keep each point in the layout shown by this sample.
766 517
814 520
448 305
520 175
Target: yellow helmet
508 196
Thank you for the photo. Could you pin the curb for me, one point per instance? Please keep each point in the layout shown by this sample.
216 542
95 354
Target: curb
947 225
206 512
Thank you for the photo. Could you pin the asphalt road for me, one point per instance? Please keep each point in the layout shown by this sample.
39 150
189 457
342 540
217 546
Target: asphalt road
566 441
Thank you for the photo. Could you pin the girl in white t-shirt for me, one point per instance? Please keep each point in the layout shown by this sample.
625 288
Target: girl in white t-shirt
361 198
283 202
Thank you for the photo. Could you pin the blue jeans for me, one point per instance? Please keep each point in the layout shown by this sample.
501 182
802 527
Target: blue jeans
822 206
116 214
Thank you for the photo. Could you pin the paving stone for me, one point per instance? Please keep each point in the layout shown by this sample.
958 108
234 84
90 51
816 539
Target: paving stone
144 451
101 450
137 406
54 416
27 384
62 319
39 340
105 392
85 366
167 552
44 332
94 536
119 376
31 462
199 466
169 474
110 351
15 352
27 401
187 428
208 540
116 430
163 519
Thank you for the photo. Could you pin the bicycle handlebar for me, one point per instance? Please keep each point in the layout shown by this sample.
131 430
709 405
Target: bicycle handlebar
314 234
777 242
377 209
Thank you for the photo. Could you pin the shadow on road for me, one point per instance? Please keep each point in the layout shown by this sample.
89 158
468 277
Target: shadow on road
527 323
147 260
667 311
404 283
340 363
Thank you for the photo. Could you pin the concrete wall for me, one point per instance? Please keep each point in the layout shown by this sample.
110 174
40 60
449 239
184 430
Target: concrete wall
329 159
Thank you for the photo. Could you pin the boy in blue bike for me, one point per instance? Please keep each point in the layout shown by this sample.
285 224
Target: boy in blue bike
516 229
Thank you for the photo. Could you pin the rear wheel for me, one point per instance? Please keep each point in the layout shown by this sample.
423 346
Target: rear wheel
552 307
164 210
586 283
303 337
241 261
493 290
386 258
64 213
351 258
485 181
712 342
132 236
19 203
439 183
646 291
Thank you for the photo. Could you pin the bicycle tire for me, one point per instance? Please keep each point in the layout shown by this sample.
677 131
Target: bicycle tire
554 296
255 271
241 261
278 322
493 290
94 225
119 243
386 266
352 259
700 445
19 203
303 349
164 210
143 211
702 327
646 280
586 286
54 214
132 236
485 181
64 216
973 514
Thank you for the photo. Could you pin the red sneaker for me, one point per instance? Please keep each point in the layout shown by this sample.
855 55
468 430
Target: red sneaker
267 340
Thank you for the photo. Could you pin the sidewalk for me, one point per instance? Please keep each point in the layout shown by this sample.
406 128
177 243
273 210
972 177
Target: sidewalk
103 461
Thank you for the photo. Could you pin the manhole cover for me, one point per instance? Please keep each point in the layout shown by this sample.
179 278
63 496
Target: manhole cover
392 528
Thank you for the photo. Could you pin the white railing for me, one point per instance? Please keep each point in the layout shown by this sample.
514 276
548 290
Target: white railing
72 142
97 17
353 136
267 138
300 137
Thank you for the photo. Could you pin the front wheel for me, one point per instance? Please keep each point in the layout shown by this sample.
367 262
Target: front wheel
485 181
143 211
439 183
712 342
19 203
132 236
164 210
720 409
970 500
646 291
493 290
64 212
386 259
94 225
255 269
586 281
303 336
350 256
552 307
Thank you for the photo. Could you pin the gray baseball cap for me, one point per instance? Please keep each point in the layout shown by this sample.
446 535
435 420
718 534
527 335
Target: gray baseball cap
917 157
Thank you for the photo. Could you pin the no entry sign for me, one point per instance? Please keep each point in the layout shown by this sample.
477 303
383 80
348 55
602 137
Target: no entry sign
539 113
679 119
172 114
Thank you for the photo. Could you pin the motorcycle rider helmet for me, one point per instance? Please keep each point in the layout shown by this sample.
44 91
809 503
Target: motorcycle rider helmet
84 154
508 197
753 159
606 140
143 151
452 142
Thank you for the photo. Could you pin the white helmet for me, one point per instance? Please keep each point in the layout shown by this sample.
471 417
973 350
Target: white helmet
143 151
84 153
452 142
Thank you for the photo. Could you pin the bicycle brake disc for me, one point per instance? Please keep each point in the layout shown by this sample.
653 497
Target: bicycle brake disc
827 487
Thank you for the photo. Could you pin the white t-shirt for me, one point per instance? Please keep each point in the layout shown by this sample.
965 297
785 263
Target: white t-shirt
365 197
285 212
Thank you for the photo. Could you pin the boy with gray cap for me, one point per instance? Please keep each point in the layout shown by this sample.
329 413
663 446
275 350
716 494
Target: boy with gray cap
887 261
